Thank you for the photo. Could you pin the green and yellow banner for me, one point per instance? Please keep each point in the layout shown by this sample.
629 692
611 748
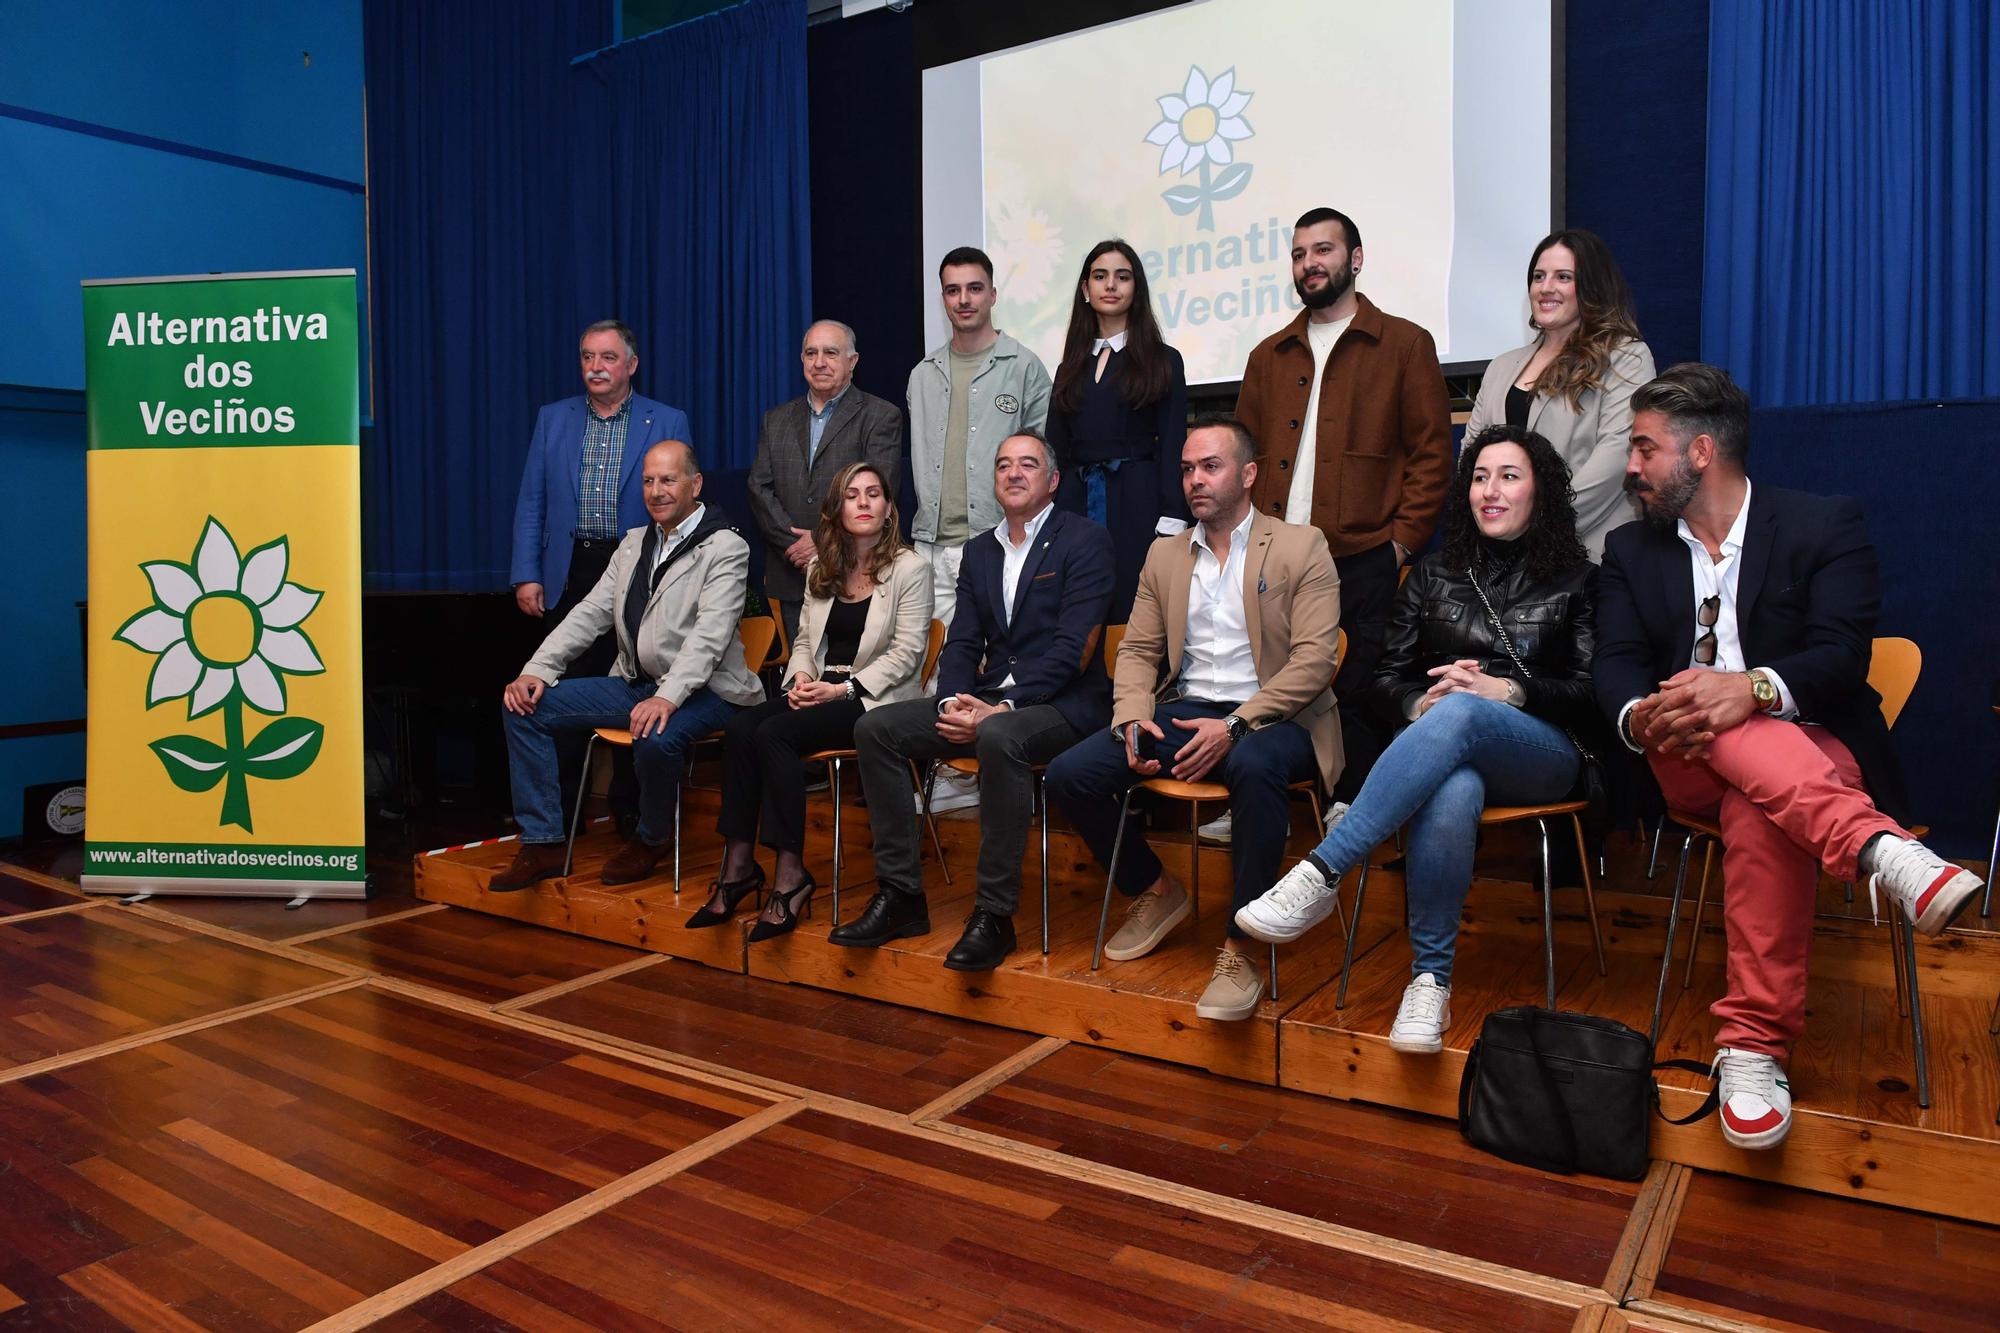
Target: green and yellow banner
225 749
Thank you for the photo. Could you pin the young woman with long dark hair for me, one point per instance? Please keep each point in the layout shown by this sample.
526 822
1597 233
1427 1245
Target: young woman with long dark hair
1511 579
1118 414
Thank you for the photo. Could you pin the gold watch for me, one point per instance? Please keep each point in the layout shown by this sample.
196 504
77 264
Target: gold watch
1763 691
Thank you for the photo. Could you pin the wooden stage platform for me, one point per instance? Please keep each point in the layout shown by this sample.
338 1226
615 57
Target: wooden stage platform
1858 1133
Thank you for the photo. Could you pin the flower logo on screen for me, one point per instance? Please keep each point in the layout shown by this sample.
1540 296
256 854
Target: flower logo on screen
1029 247
1196 128
225 629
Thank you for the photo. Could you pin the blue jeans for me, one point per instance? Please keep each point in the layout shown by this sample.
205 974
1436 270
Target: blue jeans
1437 775
580 704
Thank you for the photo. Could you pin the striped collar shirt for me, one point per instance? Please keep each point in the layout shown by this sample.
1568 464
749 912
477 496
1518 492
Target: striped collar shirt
597 478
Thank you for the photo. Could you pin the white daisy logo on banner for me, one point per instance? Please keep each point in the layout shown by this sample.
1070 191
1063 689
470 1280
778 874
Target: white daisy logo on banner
225 629
1197 126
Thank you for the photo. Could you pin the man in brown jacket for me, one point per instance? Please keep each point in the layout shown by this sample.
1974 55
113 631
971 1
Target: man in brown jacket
1351 410
1222 677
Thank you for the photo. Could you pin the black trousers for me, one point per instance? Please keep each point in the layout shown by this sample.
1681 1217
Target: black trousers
762 781
1367 599
1007 746
587 562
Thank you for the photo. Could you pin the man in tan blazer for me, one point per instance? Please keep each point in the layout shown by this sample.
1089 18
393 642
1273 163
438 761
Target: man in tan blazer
1224 676
674 592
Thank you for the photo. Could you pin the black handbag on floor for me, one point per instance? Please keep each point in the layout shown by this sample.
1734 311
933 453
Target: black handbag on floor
1564 1092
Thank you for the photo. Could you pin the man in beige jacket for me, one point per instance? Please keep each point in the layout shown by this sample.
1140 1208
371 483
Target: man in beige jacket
1224 676
674 592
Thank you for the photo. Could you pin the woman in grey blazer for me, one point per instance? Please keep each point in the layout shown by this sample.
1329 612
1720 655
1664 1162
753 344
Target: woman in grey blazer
1573 384
863 628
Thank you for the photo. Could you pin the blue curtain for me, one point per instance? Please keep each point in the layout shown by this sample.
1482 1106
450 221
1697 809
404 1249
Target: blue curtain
518 193
1853 237
699 133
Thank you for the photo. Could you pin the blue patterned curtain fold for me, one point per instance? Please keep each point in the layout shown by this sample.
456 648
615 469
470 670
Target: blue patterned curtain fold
518 193
1853 229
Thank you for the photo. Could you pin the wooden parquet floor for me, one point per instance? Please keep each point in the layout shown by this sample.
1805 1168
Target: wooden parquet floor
220 1115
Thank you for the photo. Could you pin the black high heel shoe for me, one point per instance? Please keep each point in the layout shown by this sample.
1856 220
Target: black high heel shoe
791 906
732 894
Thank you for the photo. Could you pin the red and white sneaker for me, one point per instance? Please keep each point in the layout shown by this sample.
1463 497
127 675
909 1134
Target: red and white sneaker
1929 889
1756 1099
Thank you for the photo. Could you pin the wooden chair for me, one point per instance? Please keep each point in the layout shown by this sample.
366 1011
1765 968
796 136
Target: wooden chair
1039 772
1894 665
1196 794
756 634
833 759
1491 817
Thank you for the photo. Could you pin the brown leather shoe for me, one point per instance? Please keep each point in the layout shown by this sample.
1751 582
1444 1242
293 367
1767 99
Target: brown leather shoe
633 862
535 862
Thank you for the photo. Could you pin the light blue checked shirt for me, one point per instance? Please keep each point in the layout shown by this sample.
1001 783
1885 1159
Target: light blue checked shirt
597 479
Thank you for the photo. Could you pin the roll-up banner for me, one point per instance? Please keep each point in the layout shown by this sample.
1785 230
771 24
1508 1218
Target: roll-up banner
224 639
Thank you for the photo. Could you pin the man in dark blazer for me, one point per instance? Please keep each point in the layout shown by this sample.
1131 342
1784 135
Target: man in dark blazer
1734 628
1020 680
800 447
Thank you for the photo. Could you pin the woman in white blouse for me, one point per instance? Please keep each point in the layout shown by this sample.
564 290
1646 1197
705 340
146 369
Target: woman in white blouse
1573 384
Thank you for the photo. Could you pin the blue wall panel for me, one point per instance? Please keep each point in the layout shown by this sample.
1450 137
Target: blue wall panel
195 80
124 211
230 76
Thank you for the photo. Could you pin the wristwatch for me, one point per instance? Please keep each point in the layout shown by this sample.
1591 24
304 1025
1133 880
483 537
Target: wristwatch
1237 727
853 689
1763 691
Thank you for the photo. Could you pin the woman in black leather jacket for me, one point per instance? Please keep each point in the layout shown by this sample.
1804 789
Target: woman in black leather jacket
1486 705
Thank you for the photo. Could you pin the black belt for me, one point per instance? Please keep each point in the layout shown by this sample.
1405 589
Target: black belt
596 543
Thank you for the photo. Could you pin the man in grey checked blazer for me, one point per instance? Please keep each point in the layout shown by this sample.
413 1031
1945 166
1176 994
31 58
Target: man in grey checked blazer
800 447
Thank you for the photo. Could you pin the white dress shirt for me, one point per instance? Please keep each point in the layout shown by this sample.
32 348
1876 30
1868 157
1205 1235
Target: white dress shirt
1216 662
1014 560
1718 578
675 535
1299 500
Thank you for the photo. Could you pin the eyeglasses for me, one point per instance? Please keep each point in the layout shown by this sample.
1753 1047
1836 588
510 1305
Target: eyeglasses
1705 616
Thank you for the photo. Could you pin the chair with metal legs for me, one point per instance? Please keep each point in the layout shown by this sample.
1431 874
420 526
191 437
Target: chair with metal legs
1488 818
927 781
833 759
1196 794
1894 667
756 633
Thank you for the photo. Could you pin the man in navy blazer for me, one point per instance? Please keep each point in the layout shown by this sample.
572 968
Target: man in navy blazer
580 488
1734 627
1020 680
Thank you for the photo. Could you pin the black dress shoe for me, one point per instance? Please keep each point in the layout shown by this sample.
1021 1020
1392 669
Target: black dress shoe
888 916
988 939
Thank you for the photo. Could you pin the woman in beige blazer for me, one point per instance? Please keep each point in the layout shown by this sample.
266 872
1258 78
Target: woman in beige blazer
863 628
1573 384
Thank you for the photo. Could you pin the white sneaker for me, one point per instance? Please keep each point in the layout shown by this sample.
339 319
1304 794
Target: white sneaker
1219 830
1300 900
1147 920
1421 1021
1929 889
952 791
1234 991
1756 1099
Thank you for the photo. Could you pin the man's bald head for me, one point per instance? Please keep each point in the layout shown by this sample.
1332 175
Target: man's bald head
671 482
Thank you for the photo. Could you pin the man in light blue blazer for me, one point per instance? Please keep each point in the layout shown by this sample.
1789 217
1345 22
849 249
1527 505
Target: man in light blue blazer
580 489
